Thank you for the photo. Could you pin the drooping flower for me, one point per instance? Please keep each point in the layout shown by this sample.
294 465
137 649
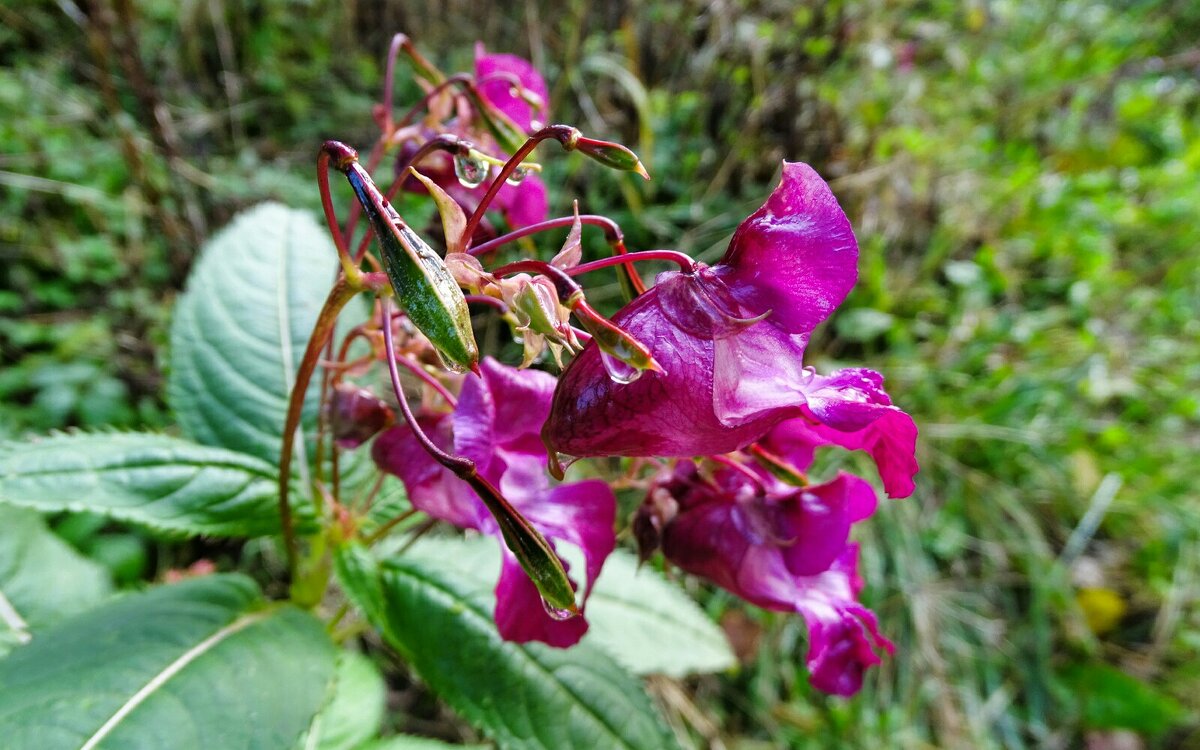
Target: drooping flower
496 423
779 547
731 340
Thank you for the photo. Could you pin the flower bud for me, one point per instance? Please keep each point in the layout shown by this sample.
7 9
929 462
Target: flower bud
356 415
612 155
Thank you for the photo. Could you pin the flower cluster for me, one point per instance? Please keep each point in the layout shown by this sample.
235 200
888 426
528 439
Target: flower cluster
495 422
509 84
702 375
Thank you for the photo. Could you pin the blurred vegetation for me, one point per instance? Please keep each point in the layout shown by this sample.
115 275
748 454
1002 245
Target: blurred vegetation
1023 179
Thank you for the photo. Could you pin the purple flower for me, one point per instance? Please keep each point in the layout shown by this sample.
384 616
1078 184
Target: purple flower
850 409
731 340
779 547
496 423
498 91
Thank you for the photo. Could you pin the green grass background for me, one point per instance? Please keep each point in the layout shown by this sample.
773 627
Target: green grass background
1024 180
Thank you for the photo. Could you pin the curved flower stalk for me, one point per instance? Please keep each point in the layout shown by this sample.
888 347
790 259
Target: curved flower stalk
496 423
731 339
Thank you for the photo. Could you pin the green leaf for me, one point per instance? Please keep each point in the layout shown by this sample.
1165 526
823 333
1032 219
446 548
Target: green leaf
644 622
42 579
205 663
240 328
522 695
405 742
158 481
355 714
650 625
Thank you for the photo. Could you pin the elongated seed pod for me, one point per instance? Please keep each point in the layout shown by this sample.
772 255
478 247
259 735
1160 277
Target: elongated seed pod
423 285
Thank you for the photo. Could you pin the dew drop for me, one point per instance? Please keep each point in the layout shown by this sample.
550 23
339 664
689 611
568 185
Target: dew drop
518 176
618 371
451 366
470 171
556 614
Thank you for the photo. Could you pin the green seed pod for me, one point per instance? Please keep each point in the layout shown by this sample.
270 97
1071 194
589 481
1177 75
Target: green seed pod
537 558
422 283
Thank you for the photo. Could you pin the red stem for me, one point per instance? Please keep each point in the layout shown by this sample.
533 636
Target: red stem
462 467
483 299
327 204
612 232
445 142
563 133
341 293
685 263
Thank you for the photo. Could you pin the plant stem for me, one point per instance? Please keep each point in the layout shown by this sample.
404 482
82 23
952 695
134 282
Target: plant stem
343 291
565 134
445 142
685 263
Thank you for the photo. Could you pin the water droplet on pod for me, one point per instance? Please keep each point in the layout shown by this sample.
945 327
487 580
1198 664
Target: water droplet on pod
518 175
451 366
470 171
618 371
559 615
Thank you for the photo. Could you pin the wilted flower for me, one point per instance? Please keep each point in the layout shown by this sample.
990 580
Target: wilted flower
496 423
731 340
779 547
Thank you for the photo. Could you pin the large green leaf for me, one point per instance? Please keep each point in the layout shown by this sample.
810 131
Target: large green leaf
405 742
522 695
646 623
155 480
42 579
355 712
240 329
651 626
205 663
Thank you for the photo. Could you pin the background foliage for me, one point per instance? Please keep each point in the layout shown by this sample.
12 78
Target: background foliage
1022 177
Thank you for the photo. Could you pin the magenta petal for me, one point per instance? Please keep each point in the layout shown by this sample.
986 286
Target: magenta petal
521 616
784 553
843 636
699 303
522 403
727 379
816 520
659 414
583 514
794 441
759 373
526 204
796 255
473 419
499 92
431 488
853 411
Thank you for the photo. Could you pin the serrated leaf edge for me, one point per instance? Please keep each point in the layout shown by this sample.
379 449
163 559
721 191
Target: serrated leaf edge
472 605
